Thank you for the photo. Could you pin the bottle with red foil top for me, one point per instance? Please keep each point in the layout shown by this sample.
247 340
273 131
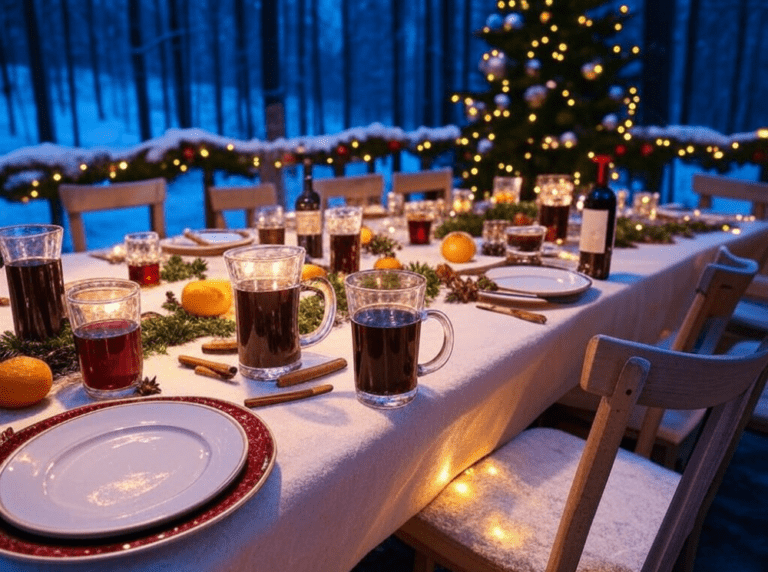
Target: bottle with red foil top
309 218
598 225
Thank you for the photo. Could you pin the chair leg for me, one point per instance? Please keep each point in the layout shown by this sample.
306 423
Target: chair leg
423 563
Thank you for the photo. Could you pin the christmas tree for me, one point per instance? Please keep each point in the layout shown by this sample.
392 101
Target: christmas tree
559 92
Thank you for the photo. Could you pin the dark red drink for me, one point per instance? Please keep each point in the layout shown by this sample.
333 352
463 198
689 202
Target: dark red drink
525 242
555 218
268 327
36 290
418 229
345 253
385 343
110 354
145 275
272 235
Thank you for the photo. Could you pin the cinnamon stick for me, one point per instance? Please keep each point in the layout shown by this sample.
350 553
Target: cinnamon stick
208 372
287 396
196 238
223 369
220 346
309 373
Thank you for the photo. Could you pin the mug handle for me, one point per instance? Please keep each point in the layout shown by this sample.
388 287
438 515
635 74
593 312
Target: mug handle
323 287
445 352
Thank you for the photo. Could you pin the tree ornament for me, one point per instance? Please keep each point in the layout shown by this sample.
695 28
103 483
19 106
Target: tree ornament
545 16
497 65
532 67
189 153
535 96
289 158
621 150
646 149
494 22
569 139
616 92
483 146
342 150
502 101
588 71
610 121
393 145
513 21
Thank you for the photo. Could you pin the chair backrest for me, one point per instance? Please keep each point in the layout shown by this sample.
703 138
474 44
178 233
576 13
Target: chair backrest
708 186
624 373
357 190
721 286
78 199
246 197
435 184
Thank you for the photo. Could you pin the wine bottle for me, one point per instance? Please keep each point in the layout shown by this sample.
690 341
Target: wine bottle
309 220
598 225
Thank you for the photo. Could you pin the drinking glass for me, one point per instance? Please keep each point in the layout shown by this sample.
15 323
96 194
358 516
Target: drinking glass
387 309
494 237
419 216
142 254
343 224
555 196
461 200
267 283
32 257
105 314
524 243
270 222
506 189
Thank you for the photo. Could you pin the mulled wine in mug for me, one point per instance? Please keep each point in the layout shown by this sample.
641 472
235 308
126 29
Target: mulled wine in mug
267 284
387 309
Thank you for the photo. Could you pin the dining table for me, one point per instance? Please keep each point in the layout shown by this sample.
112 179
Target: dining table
337 477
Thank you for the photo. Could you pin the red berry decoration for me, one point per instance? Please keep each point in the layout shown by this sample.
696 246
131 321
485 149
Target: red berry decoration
189 153
393 145
646 149
621 150
289 158
342 150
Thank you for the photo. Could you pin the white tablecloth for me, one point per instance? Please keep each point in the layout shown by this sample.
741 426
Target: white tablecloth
347 476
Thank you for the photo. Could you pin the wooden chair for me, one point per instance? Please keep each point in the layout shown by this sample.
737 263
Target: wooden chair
357 190
78 199
720 287
435 184
500 513
248 198
708 186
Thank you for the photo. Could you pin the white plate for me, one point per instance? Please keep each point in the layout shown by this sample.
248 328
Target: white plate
121 469
221 240
542 281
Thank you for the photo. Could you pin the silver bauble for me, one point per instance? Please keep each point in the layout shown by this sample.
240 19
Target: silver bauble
513 21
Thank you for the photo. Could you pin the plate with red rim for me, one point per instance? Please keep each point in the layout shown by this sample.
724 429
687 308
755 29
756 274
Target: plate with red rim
261 452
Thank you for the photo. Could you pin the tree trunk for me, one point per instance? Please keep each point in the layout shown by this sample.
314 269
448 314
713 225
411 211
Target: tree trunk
93 50
6 79
317 83
428 97
241 59
660 14
70 72
397 35
45 127
183 111
466 34
139 69
347 59
689 69
218 86
734 122
274 111
447 55
301 38
162 55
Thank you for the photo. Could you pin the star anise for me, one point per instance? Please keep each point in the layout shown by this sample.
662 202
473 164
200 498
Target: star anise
148 386
463 289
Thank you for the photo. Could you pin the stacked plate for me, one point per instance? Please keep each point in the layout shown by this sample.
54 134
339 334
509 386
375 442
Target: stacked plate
127 473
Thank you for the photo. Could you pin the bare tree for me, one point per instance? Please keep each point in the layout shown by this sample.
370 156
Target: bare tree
45 127
317 61
218 82
68 57
6 78
93 48
301 34
397 34
428 97
175 19
346 38
162 56
269 36
139 68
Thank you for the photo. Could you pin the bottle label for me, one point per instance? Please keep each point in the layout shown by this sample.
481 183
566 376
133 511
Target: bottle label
308 222
594 228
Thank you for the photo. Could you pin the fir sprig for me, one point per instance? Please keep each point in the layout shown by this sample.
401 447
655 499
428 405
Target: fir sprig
630 232
175 269
58 351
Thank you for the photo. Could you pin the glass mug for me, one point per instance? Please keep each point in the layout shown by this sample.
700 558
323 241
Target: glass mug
343 225
105 314
387 308
142 254
32 257
555 196
267 283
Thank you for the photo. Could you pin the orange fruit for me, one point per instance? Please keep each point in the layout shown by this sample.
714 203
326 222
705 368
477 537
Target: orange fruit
458 246
212 297
387 263
366 234
24 381
310 271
